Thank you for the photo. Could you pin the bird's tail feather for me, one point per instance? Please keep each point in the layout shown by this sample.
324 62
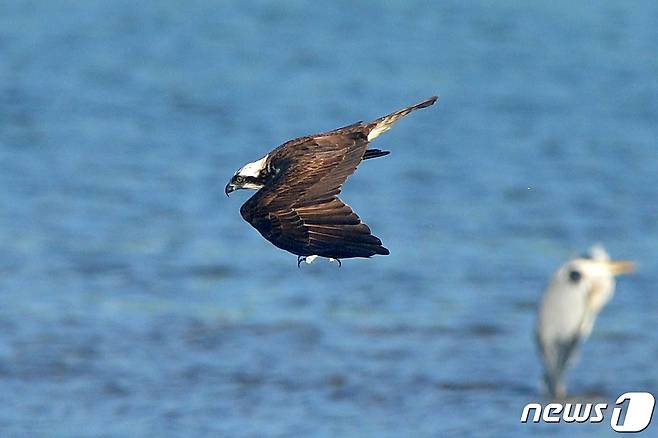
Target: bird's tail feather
383 124
374 153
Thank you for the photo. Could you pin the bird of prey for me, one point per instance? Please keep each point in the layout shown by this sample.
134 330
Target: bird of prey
577 292
297 207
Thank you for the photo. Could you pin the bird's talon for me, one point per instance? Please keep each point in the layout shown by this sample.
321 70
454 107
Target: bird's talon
331 260
300 259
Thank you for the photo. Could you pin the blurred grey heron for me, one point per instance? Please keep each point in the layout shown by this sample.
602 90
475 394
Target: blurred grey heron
574 297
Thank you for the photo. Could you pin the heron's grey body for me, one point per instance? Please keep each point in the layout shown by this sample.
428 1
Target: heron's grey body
577 292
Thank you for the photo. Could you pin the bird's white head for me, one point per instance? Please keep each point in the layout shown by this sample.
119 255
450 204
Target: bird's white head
250 176
587 283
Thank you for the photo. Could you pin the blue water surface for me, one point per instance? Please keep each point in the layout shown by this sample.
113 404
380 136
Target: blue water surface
134 301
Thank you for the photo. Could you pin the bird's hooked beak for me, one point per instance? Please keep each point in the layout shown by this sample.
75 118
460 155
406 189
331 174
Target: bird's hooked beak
230 187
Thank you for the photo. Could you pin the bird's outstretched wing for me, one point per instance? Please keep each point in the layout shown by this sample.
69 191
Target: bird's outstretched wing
383 124
299 210
378 126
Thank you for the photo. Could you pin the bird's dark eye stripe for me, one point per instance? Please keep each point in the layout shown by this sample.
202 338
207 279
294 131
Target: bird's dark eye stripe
575 276
246 179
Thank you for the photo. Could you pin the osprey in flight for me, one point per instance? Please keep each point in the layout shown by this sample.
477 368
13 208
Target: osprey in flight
297 206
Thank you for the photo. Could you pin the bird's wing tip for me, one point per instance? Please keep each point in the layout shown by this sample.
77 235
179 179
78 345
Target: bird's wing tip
430 101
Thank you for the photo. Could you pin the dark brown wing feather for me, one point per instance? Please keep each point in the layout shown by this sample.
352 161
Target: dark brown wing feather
299 211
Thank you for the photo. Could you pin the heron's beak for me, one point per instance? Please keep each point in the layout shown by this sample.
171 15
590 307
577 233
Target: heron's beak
229 188
620 267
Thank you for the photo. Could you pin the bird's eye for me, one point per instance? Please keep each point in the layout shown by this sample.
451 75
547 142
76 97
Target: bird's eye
575 276
239 179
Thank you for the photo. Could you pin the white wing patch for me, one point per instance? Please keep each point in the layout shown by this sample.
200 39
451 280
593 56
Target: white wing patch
379 129
253 169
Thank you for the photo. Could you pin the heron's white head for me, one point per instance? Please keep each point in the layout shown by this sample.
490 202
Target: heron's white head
250 176
585 284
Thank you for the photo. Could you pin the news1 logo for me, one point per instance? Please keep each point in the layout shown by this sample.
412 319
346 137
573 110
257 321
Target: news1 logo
637 408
